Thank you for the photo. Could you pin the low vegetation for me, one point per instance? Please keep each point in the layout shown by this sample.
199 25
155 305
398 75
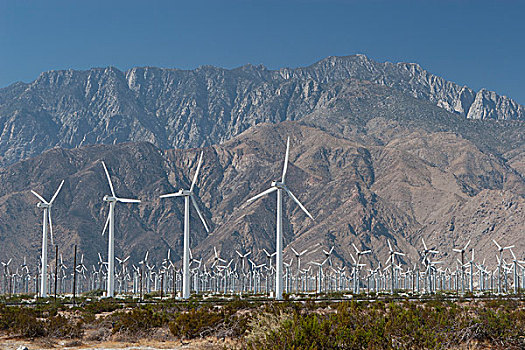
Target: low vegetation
428 324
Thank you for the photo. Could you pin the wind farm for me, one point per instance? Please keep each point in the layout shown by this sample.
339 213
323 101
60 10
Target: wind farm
310 272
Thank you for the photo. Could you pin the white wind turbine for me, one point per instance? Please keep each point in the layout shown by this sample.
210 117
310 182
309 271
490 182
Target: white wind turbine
47 220
462 262
500 261
188 195
280 186
110 289
298 256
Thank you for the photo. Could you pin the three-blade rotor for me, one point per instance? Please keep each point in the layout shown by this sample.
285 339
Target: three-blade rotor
281 185
114 196
48 205
189 193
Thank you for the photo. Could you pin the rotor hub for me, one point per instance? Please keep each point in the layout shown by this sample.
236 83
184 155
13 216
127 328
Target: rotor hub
109 199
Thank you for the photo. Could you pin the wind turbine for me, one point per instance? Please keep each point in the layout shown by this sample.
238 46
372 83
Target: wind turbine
47 219
392 253
188 195
462 262
110 290
500 260
280 186
360 253
298 256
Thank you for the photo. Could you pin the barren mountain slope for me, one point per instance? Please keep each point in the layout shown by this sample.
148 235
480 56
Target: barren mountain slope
414 186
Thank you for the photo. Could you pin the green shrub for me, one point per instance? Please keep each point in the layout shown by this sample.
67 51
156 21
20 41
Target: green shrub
62 327
135 321
193 323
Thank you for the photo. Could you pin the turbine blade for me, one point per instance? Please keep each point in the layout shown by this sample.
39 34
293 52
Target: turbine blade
39 197
356 250
109 179
194 202
106 224
466 245
196 173
389 245
294 251
56 193
298 203
169 195
127 200
496 243
285 168
50 226
424 245
270 190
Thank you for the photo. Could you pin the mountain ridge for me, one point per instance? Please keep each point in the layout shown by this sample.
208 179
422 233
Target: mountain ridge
175 108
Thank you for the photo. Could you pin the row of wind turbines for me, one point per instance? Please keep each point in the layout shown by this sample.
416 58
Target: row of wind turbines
189 197
240 274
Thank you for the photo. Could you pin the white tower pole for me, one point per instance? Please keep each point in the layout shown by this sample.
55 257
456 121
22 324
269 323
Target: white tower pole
186 253
110 292
43 271
279 247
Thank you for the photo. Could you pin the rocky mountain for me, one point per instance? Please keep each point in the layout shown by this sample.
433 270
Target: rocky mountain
174 108
369 161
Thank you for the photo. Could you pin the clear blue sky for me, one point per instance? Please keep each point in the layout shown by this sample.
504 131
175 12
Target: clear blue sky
476 43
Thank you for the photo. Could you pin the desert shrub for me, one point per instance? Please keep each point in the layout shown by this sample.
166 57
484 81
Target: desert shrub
135 321
265 325
62 327
193 323
102 305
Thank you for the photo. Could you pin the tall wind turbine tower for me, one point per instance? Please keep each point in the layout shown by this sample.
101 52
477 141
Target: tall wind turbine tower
188 195
47 219
280 186
110 289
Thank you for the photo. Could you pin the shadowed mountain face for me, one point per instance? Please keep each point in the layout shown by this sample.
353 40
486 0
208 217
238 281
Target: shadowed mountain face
370 163
179 109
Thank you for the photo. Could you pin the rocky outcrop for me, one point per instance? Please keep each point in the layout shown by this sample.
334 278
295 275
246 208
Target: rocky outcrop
489 105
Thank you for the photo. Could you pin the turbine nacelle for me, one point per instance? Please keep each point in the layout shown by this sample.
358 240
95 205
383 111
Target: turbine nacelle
43 205
279 184
183 192
109 199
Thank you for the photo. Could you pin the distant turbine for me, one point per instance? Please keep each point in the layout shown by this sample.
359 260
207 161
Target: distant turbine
110 290
188 195
47 219
280 186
